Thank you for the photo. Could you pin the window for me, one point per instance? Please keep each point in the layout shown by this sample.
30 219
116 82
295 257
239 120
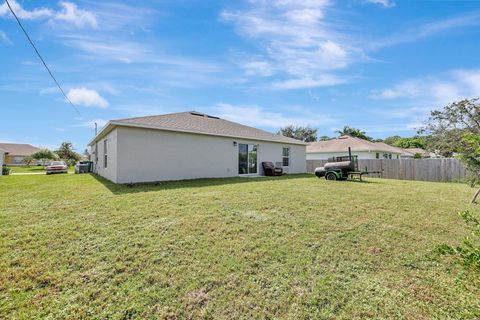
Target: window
286 157
105 155
18 160
247 158
377 155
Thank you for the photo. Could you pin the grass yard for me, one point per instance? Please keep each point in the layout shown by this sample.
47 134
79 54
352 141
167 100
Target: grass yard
295 247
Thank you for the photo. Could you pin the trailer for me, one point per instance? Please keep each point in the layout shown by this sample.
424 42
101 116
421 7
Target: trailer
343 168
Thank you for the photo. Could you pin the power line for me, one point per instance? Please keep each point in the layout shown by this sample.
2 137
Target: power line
43 61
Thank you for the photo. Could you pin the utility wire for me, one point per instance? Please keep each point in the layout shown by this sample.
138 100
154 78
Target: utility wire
43 61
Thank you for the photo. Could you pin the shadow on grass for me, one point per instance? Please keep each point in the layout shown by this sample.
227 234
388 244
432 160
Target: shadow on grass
194 183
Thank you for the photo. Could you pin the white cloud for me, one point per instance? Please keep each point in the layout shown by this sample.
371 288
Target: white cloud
296 39
410 88
87 97
471 79
258 67
320 81
419 32
72 14
4 38
37 13
385 3
109 49
259 117
435 90
69 13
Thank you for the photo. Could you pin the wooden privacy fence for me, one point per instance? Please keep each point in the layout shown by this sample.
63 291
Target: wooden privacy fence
440 170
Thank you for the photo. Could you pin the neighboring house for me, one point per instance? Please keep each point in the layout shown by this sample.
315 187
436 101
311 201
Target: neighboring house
189 145
411 152
324 150
16 152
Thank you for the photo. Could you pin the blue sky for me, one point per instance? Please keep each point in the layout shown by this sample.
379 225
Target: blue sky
379 65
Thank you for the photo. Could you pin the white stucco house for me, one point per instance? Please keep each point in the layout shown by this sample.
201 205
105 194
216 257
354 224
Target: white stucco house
411 152
324 150
189 145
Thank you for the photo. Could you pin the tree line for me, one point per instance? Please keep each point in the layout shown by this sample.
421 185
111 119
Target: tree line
64 152
308 134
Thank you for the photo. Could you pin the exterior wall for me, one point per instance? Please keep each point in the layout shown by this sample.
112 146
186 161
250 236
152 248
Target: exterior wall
14 160
17 161
146 155
110 172
361 155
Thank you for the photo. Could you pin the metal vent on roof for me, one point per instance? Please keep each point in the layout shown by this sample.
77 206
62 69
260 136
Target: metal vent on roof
203 115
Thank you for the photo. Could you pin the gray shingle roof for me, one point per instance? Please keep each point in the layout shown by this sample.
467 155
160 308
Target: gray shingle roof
18 149
421 151
200 123
342 143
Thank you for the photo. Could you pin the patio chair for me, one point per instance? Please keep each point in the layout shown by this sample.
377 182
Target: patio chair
270 169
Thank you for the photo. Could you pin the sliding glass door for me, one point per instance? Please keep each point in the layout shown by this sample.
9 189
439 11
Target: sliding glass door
247 158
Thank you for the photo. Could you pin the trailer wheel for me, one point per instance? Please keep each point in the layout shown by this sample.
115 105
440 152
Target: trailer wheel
331 176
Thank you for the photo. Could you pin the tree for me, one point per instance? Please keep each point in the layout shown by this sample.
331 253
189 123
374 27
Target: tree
44 155
456 129
28 161
392 140
305 134
353 132
86 154
324 138
66 152
411 142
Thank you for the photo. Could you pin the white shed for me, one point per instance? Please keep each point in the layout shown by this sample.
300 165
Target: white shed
189 145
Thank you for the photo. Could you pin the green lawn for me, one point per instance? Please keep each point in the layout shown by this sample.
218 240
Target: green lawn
295 247
27 169
34 169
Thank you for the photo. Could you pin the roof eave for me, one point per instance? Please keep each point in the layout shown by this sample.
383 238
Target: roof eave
103 132
112 124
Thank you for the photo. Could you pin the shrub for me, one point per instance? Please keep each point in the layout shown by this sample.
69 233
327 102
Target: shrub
469 251
6 170
27 161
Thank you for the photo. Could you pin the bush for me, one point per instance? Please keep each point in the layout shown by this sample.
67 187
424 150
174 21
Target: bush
6 170
469 251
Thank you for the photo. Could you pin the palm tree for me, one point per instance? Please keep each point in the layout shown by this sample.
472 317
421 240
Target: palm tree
353 132
66 152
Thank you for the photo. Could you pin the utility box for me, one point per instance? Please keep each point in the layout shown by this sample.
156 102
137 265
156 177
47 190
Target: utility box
84 167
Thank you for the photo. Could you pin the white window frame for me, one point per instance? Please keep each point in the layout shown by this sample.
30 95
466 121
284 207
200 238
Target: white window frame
286 157
105 153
